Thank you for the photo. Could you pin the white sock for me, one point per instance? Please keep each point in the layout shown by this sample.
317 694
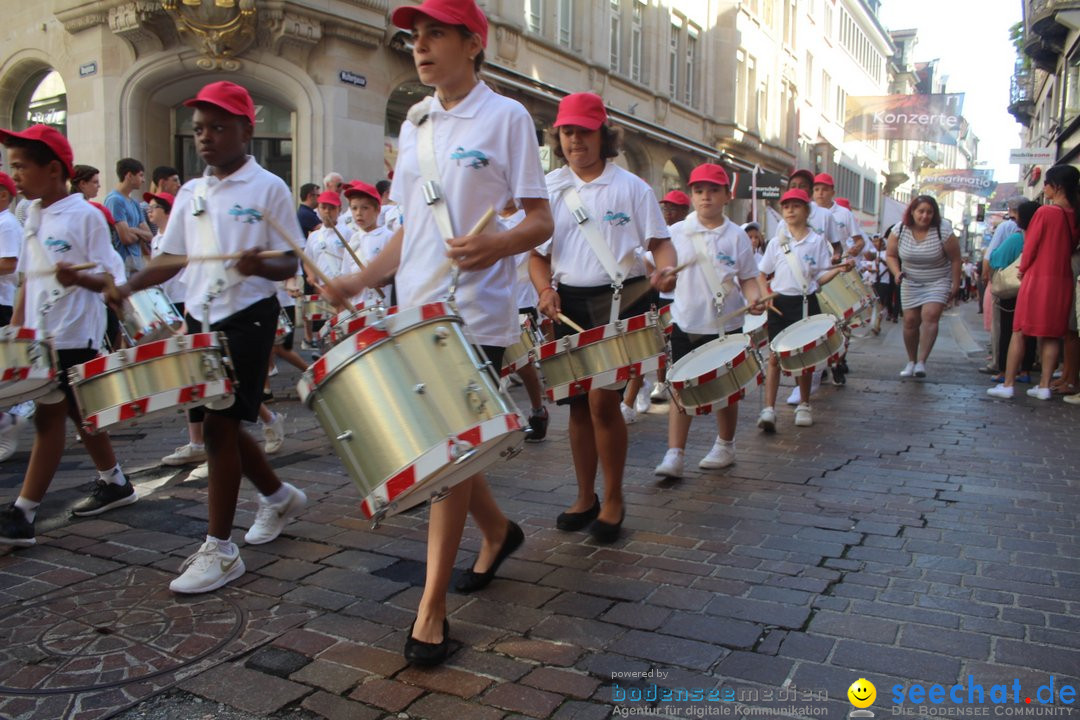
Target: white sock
225 547
197 446
7 420
678 451
28 507
113 475
726 443
279 496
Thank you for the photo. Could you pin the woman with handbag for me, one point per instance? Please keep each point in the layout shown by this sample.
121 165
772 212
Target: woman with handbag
1046 287
1004 260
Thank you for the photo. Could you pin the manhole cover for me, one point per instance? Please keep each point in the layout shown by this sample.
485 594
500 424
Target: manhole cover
108 632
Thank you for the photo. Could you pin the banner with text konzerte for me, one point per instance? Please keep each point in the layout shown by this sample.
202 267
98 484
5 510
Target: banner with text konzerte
930 118
976 182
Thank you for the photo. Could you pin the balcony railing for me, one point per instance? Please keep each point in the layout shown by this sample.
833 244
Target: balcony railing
1044 33
1022 95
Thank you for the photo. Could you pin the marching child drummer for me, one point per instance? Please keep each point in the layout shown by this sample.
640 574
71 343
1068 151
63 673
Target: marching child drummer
799 260
623 218
369 239
725 274
324 247
449 37
62 304
229 210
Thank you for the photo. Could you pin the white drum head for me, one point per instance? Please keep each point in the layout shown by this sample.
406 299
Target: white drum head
753 322
708 357
803 333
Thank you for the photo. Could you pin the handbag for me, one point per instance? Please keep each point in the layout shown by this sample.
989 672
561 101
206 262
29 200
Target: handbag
1005 284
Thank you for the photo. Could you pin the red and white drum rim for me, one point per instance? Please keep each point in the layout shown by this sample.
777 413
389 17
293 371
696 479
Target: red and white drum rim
174 399
722 403
595 335
819 340
711 375
143 353
605 378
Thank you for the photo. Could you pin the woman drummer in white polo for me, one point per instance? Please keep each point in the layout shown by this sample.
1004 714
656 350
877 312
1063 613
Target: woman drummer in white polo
571 279
486 154
708 237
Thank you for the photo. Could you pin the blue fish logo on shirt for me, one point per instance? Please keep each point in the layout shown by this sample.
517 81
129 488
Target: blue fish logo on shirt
246 215
616 218
56 245
476 158
809 260
725 258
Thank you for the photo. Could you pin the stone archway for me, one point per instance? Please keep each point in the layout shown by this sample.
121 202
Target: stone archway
23 71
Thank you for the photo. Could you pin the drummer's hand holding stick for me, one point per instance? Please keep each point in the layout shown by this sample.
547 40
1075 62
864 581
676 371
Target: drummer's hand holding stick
829 273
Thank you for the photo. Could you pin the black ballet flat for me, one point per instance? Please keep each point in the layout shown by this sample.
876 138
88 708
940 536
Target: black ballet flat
425 654
578 521
604 532
472 581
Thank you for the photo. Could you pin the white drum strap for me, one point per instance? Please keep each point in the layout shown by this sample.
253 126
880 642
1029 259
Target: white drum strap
591 230
708 268
219 277
796 270
420 115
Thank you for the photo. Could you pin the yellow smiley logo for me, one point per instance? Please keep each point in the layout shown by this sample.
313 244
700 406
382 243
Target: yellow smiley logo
862 693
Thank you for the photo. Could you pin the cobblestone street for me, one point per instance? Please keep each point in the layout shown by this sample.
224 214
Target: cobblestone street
919 533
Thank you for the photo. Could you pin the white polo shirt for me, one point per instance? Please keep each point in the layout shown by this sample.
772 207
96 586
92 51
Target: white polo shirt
235 206
70 230
732 255
367 245
11 239
821 222
486 151
174 287
626 210
847 225
812 253
326 251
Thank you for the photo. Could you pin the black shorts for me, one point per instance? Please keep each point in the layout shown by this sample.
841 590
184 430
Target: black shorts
791 307
682 343
5 315
179 308
250 335
68 359
495 357
590 307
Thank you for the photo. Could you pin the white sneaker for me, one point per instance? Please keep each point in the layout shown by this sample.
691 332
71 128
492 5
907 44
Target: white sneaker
908 371
208 569
629 414
794 398
185 455
1039 393
270 520
201 472
767 420
274 434
1000 391
9 437
721 455
920 370
659 393
672 464
803 418
643 401
273 370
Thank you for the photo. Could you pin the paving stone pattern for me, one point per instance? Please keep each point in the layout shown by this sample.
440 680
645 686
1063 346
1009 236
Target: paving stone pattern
919 533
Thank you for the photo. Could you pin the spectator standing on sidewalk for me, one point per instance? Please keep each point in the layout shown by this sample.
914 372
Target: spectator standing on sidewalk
1002 257
131 225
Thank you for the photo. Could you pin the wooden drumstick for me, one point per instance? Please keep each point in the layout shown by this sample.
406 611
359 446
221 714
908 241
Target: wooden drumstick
567 321
303 257
722 320
678 269
356 259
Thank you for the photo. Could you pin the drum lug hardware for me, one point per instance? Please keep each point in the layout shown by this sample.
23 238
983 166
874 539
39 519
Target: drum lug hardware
512 452
420 388
459 449
441 495
210 368
345 436
441 334
472 394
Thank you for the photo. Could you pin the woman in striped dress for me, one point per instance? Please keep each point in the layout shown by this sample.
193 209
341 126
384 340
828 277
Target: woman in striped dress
929 257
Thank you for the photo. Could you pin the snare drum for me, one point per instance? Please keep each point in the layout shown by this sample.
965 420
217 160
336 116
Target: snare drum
664 320
519 354
346 324
715 375
844 296
410 408
284 327
809 345
757 327
602 356
149 315
159 377
29 369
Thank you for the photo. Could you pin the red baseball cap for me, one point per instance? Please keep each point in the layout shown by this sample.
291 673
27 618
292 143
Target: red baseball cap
677 197
584 109
163 196
450 12
8 184
799 195
51 137
228 96
359 189
843 202
104 211
805 173
329 197
710 173
824 179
